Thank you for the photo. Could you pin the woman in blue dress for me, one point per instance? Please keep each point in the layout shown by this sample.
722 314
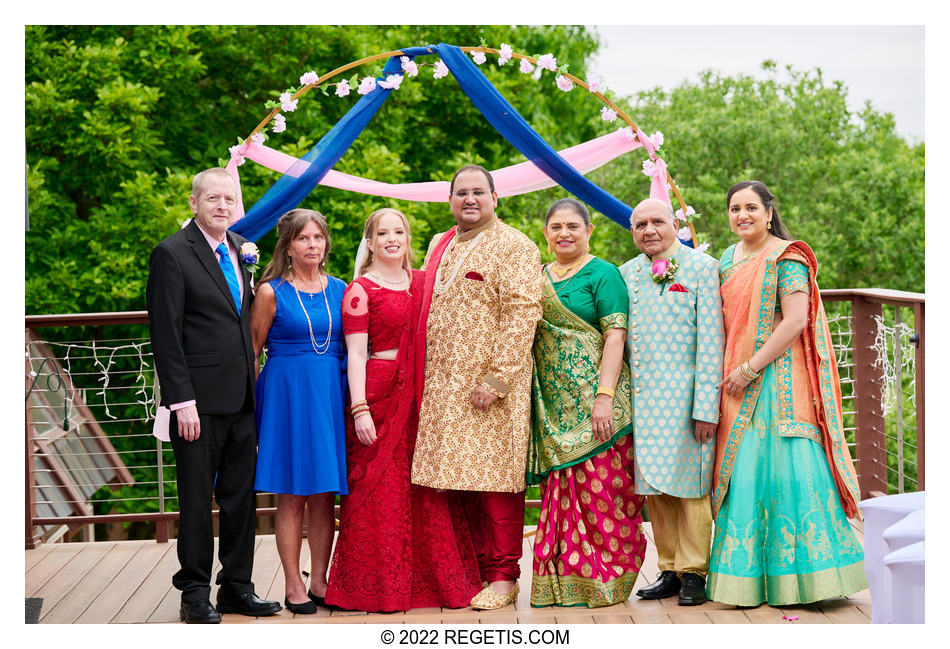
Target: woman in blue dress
301 452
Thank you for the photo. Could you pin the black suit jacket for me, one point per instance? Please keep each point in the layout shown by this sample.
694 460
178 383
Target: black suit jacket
202 347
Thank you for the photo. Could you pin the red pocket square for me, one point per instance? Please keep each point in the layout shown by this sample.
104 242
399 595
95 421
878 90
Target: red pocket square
678 288
473 275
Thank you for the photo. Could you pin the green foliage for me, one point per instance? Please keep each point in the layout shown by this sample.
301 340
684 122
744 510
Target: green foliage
120 117
844 182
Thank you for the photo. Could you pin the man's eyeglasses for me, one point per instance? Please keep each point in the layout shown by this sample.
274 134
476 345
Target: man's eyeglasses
464 193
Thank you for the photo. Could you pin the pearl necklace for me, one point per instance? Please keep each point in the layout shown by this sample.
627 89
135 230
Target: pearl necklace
323 347
440 286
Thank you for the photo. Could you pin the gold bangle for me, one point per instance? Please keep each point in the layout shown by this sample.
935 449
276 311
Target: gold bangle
604 390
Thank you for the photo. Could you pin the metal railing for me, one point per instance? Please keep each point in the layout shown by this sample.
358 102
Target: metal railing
107 363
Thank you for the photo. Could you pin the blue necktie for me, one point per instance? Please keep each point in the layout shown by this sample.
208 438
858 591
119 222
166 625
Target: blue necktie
228 269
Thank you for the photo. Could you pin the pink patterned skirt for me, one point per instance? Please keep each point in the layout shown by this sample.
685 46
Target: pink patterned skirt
589 546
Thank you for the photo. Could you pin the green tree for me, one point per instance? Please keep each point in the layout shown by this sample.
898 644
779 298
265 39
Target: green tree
844 182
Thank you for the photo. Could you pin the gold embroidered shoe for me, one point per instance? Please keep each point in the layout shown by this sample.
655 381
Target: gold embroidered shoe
488 599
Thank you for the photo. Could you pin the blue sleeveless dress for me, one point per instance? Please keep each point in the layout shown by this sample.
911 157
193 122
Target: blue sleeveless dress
301 445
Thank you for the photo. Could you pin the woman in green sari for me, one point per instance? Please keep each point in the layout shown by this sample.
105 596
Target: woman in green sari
589 545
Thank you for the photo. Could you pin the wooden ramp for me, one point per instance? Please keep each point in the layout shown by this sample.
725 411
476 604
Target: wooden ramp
130 582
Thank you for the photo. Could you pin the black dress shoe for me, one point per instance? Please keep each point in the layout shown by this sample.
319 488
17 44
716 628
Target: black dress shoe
304 608
667 585
246 604
693 590
200 612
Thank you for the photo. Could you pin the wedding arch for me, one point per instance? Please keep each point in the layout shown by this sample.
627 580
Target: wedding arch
545 166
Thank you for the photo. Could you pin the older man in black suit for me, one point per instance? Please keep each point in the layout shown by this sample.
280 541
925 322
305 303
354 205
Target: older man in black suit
199 299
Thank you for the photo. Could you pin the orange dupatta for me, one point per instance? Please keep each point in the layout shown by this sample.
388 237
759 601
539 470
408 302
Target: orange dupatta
748 300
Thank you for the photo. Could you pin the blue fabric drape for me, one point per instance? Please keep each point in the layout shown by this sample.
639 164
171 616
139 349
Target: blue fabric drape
288 192
516 130
298 182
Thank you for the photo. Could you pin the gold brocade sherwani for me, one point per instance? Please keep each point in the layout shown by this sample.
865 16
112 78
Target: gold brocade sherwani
480 330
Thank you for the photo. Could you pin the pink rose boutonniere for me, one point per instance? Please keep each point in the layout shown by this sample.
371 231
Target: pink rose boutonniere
664 271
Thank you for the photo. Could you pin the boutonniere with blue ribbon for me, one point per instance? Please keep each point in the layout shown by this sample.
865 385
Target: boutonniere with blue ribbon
250 256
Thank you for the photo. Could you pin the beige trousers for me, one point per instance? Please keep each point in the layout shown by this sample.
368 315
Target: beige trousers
681 528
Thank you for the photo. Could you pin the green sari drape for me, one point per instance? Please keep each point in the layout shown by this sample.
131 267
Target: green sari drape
567 354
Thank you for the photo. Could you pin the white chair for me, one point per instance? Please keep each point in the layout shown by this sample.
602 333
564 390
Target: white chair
906 568
906 531
879 514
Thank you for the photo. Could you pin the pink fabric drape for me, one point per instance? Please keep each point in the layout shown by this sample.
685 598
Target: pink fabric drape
509 181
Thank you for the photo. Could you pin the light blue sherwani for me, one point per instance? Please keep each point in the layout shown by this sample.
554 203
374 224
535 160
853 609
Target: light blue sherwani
675 345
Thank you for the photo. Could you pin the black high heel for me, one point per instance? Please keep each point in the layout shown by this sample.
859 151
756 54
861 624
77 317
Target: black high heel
320 601
304 608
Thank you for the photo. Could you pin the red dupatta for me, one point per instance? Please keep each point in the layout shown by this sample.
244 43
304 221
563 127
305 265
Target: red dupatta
428 288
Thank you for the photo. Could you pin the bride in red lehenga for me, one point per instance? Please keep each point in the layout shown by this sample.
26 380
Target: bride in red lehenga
400 545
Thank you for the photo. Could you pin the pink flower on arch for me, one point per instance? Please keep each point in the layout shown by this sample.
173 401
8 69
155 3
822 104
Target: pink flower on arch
367 85
287 104
392 82
235 153
478 57
280 123
689 212
308 78
683 233
657 139
342 88
504 54
441 70
564 83
548 62
648 168
258 139
703 247
596 84
627 132
409 66
608 114
526 66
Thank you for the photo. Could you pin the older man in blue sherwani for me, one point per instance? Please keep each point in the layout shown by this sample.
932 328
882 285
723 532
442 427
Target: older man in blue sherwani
675 343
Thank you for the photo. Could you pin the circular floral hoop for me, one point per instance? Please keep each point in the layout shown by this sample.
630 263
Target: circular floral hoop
686 211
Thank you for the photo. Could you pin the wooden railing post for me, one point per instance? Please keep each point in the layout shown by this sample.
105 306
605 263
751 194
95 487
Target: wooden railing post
919 386
869 416
32 537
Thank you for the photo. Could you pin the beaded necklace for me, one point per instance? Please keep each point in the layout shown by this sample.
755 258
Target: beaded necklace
323 347
440 286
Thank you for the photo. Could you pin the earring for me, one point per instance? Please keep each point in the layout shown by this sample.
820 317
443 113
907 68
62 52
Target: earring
770 225
586 248
550 250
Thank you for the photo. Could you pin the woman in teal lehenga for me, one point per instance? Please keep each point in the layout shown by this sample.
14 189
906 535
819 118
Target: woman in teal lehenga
784 482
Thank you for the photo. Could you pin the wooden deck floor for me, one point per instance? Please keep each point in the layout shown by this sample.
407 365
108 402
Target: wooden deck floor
130 582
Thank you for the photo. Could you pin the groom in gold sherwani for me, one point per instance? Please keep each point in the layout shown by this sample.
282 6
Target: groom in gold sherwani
484 282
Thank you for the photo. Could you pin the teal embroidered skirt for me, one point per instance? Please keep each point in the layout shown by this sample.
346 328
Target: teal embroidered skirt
781 534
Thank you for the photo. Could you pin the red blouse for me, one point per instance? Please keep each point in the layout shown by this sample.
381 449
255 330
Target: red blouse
381 312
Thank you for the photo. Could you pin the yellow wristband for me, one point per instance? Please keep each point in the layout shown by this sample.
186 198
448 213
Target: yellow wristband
608 391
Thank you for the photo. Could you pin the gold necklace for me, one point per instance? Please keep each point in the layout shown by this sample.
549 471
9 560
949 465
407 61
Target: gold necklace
381 281
323 347
557 291
746 255
562 271
440 286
